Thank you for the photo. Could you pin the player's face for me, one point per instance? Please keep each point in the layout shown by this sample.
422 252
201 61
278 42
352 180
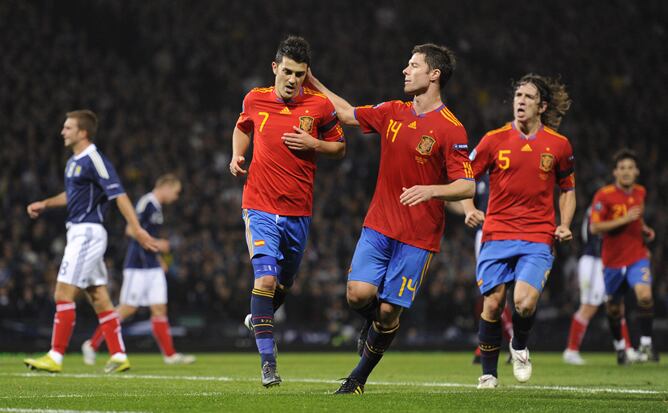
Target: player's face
417 75
526 103
172 193
71 132
290 76
626 172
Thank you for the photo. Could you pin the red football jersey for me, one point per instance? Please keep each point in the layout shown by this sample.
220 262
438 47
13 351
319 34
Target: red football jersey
625 245
522 174
427 149
280 181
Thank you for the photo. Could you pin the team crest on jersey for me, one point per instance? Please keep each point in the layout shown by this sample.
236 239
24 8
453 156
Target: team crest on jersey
77 170
546 162
70 169
306 123
426 145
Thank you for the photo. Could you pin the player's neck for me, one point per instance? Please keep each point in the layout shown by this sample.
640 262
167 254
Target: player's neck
625 188
80 146
529 127
427 102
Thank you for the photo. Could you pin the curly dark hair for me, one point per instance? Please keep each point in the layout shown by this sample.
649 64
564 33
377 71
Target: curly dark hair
438 57
295 48
552 92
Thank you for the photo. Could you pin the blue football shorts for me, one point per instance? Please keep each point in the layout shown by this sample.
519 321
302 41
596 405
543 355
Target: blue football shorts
617 280
505 261
281 237
397 269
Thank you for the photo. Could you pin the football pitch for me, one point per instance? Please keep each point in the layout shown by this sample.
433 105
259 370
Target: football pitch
402 382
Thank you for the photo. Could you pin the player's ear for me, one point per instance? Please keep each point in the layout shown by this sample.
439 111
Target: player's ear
274 67
542 107
435 75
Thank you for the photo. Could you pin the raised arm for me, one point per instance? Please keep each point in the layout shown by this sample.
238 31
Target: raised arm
133 228
344 110
240 143
36 208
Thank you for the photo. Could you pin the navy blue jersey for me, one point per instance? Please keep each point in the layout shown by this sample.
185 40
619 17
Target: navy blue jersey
481 193
591 242
149 213
90 183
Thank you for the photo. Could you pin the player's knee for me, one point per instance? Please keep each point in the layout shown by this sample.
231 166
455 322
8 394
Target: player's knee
492 310
645 300
389 315
356 297
266 283
525 308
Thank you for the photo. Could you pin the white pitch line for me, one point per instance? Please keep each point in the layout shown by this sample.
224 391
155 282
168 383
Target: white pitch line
571 389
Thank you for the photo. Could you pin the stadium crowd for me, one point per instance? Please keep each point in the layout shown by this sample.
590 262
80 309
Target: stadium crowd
167 80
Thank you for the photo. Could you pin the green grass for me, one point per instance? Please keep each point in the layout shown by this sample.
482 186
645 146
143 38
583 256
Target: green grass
402 382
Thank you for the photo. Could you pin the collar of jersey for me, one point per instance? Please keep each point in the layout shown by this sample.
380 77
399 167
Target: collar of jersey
86 151
294 99
426 113
526 137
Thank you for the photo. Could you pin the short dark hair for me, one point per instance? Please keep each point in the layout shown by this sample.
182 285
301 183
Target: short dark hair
552 92
86 120
438 57
622 154
295 48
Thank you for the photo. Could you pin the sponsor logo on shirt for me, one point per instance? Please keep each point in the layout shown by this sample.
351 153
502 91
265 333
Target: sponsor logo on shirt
460 147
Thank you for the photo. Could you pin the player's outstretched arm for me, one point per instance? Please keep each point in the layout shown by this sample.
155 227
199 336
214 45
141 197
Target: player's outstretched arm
567 203
454 191
35 209
133 228
300 140
344 110
240 143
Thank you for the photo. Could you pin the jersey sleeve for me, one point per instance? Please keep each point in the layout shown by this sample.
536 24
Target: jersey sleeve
566 169
599 208
245 122
144 210
330 130
371 118
480 157
457 162
105 175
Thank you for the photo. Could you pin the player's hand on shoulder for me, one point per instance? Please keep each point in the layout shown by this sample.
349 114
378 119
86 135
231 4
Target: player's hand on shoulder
36 208
146 240
562 233
416 194
235 166
474 218
299 140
